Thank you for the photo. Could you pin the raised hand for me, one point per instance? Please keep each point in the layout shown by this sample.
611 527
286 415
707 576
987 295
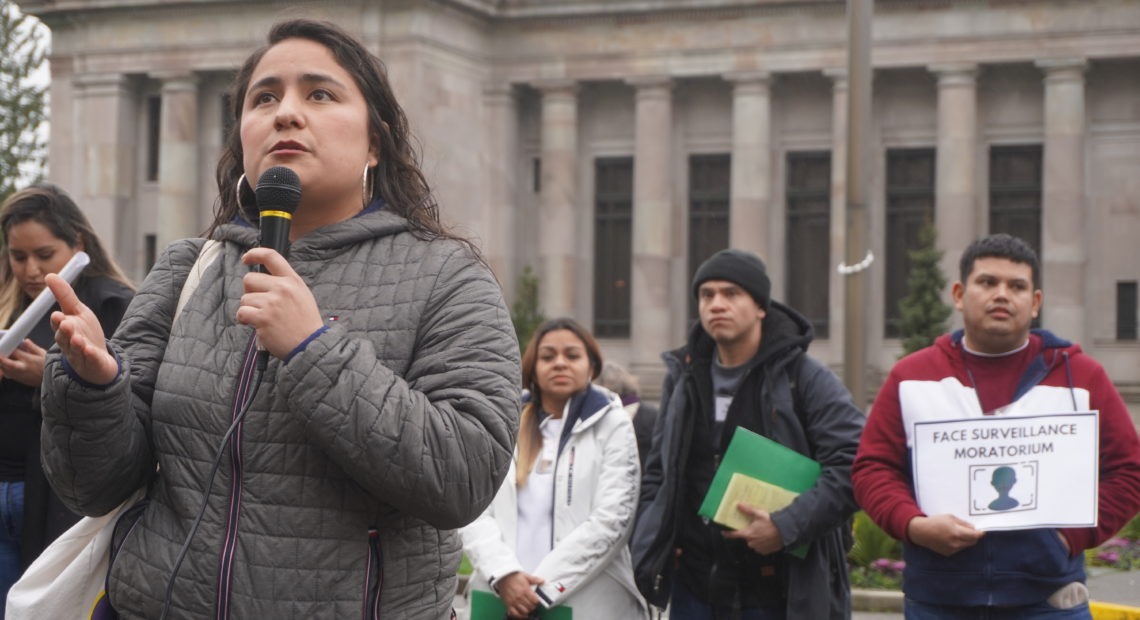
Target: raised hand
80 336
278 304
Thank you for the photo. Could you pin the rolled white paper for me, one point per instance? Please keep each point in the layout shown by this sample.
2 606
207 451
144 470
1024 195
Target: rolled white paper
40 306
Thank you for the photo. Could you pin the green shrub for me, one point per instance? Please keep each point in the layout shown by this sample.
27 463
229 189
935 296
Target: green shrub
1121 552
525 312
1131 530
871 543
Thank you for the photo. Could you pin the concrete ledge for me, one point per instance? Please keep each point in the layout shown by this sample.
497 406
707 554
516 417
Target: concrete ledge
878 600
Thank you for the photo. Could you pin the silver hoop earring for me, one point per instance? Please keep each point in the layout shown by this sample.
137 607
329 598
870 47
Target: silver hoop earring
241 180
366 186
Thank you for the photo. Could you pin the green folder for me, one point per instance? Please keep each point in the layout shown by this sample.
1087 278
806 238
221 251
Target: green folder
761 458
487 606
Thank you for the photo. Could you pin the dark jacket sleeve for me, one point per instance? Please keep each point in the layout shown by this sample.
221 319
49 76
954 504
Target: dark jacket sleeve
652 471
111 309
832 424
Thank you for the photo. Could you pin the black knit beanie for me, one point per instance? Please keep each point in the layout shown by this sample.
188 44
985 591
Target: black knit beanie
744 269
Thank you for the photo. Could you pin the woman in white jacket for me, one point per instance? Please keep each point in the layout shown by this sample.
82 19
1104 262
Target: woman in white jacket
556 532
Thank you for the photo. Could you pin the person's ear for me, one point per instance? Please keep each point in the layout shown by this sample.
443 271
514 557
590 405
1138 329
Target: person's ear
957 291
79 245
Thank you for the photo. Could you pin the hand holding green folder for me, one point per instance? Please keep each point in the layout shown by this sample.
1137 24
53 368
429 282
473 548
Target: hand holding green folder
778 475
487 606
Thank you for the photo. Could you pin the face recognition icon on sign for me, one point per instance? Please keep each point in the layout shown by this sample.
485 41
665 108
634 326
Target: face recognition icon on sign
1005 487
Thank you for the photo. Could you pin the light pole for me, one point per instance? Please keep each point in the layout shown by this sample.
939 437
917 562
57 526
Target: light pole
857 254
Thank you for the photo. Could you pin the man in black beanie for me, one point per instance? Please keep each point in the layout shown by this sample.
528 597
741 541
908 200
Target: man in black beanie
745 366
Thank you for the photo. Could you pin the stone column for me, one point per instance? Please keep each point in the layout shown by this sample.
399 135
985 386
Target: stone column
558 239
652 227
495 226
749 225
838 230
956 187
178 159
105 168
1064 250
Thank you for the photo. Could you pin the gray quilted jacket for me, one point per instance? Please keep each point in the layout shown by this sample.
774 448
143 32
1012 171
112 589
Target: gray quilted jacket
340 494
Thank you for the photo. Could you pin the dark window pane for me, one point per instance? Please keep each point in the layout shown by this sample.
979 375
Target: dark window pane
1015 195
153 136
150 251
709 194
613 231
910 205
809 236
1126 311
1015 192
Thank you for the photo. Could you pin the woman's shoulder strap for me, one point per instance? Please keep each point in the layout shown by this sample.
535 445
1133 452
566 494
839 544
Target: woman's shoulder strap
206 257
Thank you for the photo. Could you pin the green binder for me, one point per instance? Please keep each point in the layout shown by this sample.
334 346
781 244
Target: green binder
761 458
487 606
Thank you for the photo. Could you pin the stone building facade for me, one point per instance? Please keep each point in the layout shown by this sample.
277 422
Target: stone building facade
612 144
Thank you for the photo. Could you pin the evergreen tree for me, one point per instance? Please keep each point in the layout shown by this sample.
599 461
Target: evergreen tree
924 314
525 313
22 103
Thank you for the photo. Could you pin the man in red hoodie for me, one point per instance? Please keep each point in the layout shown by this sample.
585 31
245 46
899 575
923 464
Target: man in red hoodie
952 569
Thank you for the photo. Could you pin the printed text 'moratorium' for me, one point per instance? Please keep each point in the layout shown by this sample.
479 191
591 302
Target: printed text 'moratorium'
990 452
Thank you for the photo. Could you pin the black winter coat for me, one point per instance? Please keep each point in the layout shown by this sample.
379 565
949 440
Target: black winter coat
827 429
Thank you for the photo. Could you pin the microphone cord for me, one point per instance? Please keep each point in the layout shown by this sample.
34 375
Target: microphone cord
256 383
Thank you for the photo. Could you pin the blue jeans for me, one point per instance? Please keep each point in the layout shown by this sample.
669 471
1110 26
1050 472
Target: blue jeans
1044 611
11 535
683 605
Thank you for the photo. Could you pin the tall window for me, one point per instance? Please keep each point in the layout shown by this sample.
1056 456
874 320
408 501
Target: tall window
710 189
1126 310
809 236
613 231
153 135
150 251
910 206
1015 192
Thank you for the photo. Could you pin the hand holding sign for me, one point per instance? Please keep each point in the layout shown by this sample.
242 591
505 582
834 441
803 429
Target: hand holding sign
944 534
1009 472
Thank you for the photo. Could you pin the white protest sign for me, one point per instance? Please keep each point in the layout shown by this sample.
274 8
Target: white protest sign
1005 473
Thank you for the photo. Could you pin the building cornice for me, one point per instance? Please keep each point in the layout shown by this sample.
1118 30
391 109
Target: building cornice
503 9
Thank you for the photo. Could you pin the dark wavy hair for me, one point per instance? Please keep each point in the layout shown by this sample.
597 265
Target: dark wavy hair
50 206
530 438
397 179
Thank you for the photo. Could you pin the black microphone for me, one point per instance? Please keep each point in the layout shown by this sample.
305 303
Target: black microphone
278 192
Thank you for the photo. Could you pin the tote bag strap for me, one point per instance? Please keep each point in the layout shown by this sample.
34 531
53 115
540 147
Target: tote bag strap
206 257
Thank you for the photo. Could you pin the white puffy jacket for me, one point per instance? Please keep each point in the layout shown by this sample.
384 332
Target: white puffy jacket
596 483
